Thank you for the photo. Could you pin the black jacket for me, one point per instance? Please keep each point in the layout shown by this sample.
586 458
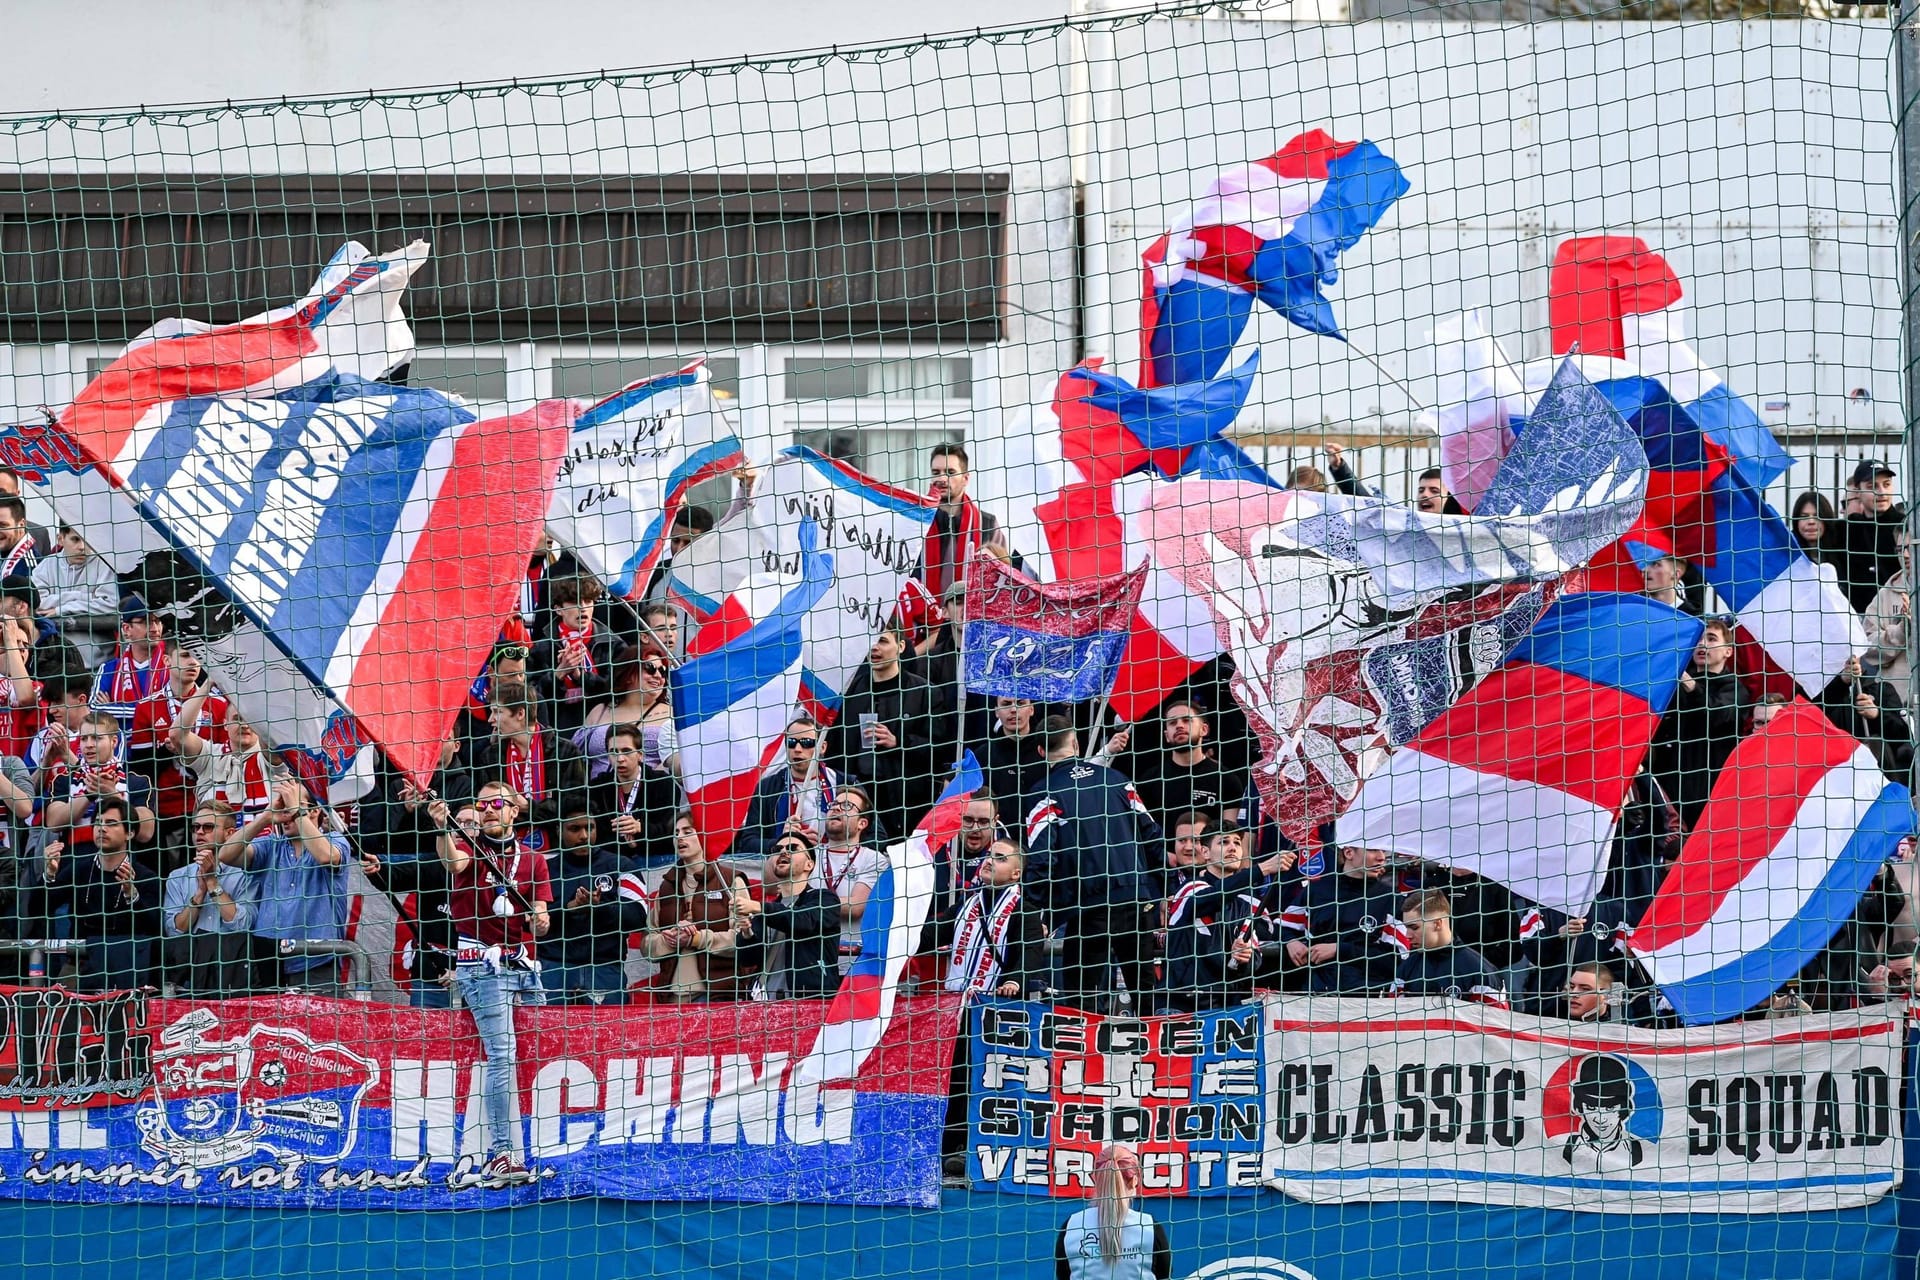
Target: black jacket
1887 735
901 776
1206 916
809 928
1013 768
1456 971
1089 841
565 705
95 899
655 802
1870 553
593 932
770 806
1353 914
1694 739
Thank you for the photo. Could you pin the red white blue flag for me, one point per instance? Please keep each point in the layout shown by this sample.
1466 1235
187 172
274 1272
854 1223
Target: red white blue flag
1058 642
889 934
375 535
1522 779
630 462
1800 821
1271 230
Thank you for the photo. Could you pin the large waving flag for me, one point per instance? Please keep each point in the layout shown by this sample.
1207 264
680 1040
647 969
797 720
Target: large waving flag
1701 504
1304 588
349 323
1800 821
874 532
889 934
629 465
731 705
1522 779
375 535
1272 230
1615 296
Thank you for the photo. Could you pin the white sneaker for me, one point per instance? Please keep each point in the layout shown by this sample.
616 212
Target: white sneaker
507 1170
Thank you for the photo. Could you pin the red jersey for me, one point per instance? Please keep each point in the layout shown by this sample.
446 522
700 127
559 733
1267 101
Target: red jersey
19 725
153 718
475 890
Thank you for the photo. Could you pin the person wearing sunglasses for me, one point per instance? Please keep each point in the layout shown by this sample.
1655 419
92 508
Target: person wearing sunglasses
800 785
640 699
501 894
798 933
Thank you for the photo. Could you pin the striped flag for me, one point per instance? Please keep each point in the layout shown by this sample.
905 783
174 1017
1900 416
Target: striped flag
375 535
1272 230
1800 820
889 933
1522 779
731 706
630 462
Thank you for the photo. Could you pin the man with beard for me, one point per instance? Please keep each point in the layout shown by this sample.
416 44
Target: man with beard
845 867
500 897
799 786
959 526
1186 772
887 734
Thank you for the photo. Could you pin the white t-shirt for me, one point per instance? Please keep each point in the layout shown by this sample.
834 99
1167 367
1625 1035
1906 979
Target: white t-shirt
837 872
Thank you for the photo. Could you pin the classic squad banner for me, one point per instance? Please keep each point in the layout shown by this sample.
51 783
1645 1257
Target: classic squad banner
332 1103
1050 1085
1439 1100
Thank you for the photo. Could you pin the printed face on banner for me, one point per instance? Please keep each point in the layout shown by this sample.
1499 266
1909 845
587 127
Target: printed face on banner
1483 1106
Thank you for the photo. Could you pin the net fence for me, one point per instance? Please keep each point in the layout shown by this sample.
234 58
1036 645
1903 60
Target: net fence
1202 642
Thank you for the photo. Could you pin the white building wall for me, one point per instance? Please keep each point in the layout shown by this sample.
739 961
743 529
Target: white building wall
1755 155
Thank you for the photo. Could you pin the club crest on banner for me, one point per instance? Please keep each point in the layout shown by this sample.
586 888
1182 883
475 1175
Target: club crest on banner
272 1090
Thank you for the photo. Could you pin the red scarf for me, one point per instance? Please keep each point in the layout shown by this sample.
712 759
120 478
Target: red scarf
253 776
582 637
941 571
127 685
527 769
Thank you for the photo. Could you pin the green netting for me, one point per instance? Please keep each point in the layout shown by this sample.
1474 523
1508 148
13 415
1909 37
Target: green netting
1181 643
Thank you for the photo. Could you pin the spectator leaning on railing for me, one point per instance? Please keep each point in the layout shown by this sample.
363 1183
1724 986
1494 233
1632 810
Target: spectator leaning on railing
113 898
299 875
207 912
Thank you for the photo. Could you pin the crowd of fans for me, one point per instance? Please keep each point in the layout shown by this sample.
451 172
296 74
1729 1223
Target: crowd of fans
1104 865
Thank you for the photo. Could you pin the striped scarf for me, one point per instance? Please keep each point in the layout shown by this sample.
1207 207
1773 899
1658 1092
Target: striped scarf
980 941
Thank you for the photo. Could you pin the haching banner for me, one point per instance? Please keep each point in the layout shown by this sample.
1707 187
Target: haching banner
1439 1100
1050 1086
302 1102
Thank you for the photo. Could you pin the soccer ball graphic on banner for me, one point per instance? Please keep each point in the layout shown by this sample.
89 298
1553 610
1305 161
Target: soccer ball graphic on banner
272 1090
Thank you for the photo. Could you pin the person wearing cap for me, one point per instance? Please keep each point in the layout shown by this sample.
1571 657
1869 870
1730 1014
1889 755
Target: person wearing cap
138 666
1869 532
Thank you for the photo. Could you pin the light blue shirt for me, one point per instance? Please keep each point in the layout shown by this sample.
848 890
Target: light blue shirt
181 884
297 897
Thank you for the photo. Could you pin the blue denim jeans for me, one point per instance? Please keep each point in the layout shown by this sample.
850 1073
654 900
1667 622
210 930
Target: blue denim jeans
490 996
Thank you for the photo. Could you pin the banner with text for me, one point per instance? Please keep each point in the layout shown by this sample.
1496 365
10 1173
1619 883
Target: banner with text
1439 1100
292 1101
1049 1086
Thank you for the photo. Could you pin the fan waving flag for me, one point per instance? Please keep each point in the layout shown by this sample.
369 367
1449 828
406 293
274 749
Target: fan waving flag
731 705
349 323
376 535
1800 821
1615 296
1047 643
629 465
889 934
1271 230
1522 779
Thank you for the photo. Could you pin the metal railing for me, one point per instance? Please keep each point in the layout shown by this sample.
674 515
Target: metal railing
38 950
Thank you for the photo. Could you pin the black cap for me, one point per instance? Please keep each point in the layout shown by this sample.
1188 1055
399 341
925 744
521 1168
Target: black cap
1869 471
18 586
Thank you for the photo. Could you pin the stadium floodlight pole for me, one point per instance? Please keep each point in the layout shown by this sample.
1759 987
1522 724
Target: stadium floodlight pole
1906 43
